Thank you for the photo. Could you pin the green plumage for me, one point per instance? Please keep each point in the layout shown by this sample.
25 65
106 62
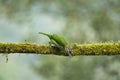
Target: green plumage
57 39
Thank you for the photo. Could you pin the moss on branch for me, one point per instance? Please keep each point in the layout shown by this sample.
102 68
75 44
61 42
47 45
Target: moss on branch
108 48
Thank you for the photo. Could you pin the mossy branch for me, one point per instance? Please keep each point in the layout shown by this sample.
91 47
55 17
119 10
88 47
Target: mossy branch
108 48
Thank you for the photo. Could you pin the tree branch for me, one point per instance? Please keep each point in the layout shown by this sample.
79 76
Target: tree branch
108 48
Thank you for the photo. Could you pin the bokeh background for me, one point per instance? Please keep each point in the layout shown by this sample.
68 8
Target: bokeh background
79 21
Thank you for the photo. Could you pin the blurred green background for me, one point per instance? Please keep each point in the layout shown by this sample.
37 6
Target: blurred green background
79 21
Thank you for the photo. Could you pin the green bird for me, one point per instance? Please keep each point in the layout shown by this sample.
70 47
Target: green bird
58 41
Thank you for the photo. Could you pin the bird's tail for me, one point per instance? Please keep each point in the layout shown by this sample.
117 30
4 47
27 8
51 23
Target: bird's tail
68 50
45 34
